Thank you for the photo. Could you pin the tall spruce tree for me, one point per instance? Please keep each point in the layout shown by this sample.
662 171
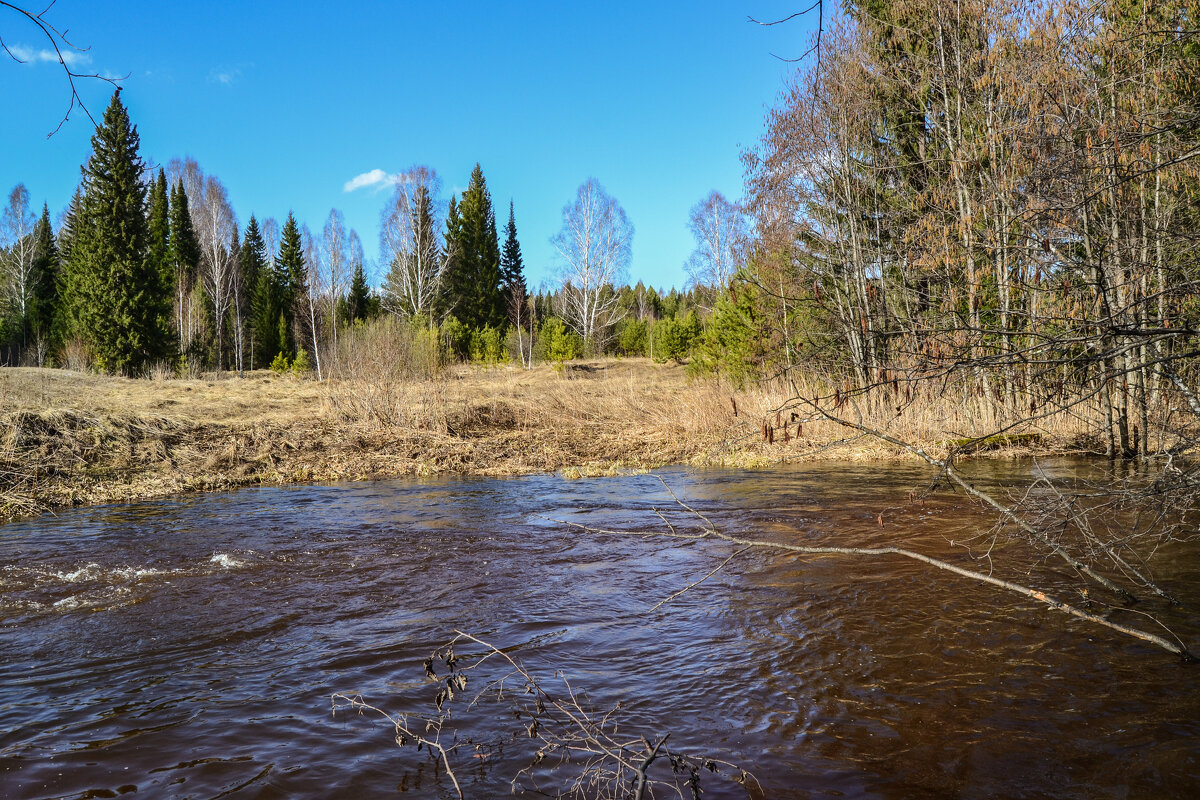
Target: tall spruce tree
448 302
359 296
117 291
473 278
44 289
290 264
159 248
512 265
62 326
266 307
184 258
254 263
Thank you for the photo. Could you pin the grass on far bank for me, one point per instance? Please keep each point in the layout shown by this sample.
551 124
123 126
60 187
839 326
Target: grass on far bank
69 438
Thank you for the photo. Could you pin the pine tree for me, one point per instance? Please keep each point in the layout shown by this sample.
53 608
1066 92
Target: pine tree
473 278
45 280
290 265
117 291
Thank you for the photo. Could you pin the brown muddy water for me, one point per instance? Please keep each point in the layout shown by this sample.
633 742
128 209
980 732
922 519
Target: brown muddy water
189 647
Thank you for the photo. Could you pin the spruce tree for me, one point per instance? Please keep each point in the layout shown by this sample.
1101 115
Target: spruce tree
117 291
183 256
290 265
448 304
44 289
159 249
473 279
160 227
254 254
62 326
265 311
512 265
253 263
359 296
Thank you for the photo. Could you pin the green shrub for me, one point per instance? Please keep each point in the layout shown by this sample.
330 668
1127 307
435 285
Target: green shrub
730 344
301 365
280 364
557 344
631 337
487 346
674 338
456 338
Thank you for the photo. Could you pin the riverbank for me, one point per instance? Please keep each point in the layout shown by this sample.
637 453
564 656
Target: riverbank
71 438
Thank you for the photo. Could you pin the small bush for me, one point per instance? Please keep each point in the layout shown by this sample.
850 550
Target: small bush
631 337
301 365
280 364
456 338
674 338
557 344
487 347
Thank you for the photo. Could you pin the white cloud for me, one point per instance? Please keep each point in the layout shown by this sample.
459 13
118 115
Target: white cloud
72 58
225 77
376 178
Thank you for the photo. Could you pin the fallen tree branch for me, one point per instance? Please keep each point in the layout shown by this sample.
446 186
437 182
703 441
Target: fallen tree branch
1177 646
946 467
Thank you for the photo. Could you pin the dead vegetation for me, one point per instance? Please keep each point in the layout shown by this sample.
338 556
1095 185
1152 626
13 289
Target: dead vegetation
71 438
68 438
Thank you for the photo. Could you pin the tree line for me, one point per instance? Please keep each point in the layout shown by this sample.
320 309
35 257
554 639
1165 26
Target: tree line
147 270
999 195
150 269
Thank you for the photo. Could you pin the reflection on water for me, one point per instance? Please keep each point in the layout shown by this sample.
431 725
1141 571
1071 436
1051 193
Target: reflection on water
189 647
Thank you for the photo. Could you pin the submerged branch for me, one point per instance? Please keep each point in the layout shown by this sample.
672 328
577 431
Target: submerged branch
1177 647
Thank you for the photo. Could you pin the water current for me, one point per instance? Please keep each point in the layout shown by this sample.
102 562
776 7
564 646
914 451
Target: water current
188 647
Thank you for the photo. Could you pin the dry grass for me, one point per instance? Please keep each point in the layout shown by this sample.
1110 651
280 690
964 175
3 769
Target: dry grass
70 438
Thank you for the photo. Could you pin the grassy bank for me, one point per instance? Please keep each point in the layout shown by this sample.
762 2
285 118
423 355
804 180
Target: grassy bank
71 438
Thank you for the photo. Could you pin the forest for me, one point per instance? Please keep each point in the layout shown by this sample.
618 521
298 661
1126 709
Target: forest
999 198
968 228
148 271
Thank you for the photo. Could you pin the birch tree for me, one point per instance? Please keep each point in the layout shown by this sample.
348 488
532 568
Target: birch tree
335 264
412 246
315 288
721 233
594 246
216 228
18 246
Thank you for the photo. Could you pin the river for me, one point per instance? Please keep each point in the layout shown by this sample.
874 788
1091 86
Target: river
189 647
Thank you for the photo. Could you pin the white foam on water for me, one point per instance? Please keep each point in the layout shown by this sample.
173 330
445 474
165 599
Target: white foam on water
107 599
88 572
226 561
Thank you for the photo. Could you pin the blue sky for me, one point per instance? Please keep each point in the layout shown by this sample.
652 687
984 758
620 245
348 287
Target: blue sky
287 102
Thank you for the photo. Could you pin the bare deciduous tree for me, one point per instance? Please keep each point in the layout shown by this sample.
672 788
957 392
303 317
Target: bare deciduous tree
411 244
315 289
336 264
16 253
216 228
721 234
595 245
66 53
